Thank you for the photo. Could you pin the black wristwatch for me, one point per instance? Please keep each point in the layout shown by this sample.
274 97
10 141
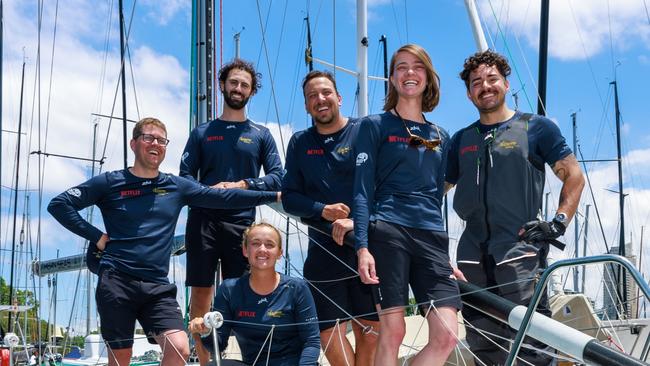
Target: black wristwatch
562 218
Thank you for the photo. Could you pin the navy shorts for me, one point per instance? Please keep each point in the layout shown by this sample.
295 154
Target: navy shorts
123 299
412 256
342 300
207 240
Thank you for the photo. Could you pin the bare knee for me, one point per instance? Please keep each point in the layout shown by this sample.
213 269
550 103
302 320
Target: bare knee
392 336
446 341
119 357
175 347
365 334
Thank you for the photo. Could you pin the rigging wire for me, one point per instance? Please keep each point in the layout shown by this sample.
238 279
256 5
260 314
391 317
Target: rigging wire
373 90
135 90
266 25
647 14
406 21
268 64
397 27
277 57
334 37
510 56
48 108
117 87
611 39
102 73
584 50
296 78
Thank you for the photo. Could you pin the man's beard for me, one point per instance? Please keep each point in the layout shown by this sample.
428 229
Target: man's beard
501 100
323 121
235 104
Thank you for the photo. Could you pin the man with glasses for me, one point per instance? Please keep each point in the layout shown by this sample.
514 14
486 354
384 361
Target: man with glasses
140 207
225 153
498 166
318 186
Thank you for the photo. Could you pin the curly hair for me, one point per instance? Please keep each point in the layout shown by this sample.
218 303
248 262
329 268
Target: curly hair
261 224
242 65
489 58
431 95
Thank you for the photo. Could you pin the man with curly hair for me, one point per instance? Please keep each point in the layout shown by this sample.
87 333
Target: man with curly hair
498 166
225 153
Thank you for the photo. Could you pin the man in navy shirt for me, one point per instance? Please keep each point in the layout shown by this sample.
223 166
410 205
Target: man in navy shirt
497 164
225 153
318 185
140 207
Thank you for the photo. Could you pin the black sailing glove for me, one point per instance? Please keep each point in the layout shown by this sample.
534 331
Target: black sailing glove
538 231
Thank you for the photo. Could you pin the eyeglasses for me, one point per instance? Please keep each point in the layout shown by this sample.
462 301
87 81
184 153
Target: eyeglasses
148 138
417 141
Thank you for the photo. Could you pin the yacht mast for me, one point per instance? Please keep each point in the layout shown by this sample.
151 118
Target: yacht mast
123 76
362 56
13 240
622 278
475 22
202 62
543 58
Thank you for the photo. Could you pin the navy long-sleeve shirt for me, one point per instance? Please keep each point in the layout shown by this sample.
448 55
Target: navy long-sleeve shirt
140 216
395 182
222 151
320 171
290 307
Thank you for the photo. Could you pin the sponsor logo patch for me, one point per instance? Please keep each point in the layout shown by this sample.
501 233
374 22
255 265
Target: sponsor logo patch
508 144
274 313
398 139
328 140
246 314
214 138
130 193
343 150
74 192
362 158
315 152
246 140
160 191
466 149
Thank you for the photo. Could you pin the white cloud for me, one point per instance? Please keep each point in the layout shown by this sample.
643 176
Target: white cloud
644 60
577 28
162 11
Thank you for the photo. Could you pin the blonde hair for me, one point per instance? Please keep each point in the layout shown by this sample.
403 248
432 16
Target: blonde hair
431 95
248 230
137 130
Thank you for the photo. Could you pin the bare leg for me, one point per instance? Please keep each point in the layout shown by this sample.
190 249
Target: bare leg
443 332
119 357
336 346
175 347
201 298
365 343
392 333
